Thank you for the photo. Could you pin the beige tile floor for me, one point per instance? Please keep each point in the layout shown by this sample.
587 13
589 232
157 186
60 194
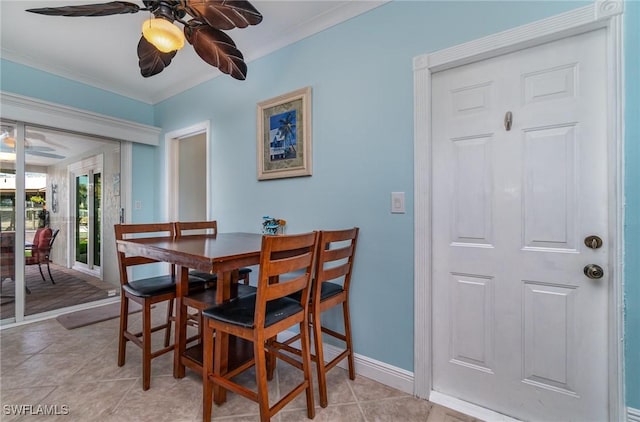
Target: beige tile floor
75 370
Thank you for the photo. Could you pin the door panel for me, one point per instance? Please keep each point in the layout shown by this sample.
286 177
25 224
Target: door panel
471 327
549 336
549 178
517 326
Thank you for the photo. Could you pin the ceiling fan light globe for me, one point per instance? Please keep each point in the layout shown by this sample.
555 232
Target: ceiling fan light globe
10 142
164 35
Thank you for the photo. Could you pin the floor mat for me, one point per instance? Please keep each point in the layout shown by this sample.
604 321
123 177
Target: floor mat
94 315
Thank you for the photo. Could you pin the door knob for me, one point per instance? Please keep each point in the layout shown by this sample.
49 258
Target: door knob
593 271
593 242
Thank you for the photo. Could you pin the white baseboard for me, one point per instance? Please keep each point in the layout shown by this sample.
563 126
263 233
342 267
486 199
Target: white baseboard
633 415
381 372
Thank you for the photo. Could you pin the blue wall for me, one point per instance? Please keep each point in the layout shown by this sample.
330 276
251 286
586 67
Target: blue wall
35 83
361 75
362 79
632 210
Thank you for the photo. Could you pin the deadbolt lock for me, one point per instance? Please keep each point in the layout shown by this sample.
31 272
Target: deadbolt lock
593 242
593 271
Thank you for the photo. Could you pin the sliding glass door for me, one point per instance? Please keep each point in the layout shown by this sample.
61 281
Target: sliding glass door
87 181
69 183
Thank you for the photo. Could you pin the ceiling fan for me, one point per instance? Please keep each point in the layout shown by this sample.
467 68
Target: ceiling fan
161 38
8 144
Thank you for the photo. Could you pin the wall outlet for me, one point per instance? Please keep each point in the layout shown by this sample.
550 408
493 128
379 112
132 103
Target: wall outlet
137 205
111 293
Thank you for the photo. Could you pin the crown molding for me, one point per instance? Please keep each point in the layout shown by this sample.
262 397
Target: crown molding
44 113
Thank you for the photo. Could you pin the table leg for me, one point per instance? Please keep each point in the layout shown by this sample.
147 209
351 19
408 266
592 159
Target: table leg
227 280
182 289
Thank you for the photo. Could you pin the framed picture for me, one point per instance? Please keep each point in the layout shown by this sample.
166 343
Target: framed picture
284 135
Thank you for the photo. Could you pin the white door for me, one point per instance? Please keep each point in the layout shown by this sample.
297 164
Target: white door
517 326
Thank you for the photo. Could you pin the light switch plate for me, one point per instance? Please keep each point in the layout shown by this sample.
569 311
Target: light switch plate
397 203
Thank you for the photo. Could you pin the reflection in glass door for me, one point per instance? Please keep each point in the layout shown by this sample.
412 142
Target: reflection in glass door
87 178
97 207
82 218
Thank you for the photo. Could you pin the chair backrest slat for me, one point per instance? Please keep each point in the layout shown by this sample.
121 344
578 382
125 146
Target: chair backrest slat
339 253
336 272
187 228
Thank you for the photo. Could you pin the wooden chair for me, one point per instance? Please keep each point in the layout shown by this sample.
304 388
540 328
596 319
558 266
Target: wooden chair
330 288
7 261
146 292
259 318
188 228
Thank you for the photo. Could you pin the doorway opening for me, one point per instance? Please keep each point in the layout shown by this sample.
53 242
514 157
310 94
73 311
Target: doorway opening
188 173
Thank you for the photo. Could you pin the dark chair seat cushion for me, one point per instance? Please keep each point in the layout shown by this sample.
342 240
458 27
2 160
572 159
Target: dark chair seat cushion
213 277
240 311
155 286
326 291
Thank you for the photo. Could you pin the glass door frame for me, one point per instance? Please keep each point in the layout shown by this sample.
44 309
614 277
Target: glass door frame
88 166
19 220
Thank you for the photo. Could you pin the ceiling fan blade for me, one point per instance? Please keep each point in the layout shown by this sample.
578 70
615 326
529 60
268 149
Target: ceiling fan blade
216 48
223 14
151 60
101 9
38 148
45 154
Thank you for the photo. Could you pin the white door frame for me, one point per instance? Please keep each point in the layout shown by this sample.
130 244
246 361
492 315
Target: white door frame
172 160
86 165
600 14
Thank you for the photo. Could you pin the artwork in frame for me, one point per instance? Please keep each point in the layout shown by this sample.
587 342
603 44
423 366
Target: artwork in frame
284 135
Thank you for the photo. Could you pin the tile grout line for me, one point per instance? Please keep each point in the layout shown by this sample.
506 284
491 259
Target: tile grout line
126 393
357 401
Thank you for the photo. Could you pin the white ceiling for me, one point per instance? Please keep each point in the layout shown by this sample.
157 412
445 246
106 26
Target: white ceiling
101 51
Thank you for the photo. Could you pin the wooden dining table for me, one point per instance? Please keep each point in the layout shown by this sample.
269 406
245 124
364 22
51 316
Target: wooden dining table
222 254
